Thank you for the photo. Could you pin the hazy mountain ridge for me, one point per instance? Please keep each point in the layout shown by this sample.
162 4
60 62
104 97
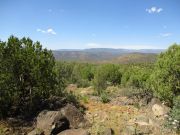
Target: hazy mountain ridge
107 54
135 58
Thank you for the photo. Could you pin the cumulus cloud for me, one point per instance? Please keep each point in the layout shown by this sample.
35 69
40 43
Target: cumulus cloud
51 31
154 10
48 31
166 34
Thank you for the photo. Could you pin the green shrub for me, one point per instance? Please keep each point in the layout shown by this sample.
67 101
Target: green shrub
105 75
82 74
104 98
164 80
83 83
84 98
27 76
136 76
99 82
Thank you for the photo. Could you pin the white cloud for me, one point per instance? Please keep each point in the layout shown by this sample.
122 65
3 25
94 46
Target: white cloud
166 34
42 31
48 31
154 10
51 31
159 10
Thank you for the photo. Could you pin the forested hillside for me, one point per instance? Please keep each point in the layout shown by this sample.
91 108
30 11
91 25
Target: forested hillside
97 55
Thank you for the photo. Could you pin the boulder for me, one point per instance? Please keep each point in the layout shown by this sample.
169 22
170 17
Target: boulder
136 130
139 125
155 101
74 116
74 132
52 122
160 110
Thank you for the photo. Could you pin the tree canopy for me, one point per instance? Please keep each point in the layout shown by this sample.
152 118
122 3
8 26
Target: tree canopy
26 75
165 78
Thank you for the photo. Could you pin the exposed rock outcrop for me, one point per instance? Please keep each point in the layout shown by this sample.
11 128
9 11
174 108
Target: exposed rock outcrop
54 122
51 122
160 110
74 116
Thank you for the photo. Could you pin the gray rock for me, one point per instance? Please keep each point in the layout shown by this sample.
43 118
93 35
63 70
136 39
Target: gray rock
74 116
52 122
160 110
155 101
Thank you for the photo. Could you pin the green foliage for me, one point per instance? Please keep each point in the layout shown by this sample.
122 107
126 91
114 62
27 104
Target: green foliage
104 97
71 97
165 77
84 98
64 74
136 76
113 74
82 74
105 75
26 76
100 80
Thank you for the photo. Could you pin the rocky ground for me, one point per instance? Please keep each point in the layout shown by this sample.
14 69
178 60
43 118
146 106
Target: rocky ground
123 115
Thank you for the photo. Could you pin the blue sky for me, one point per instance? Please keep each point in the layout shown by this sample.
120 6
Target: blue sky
79 24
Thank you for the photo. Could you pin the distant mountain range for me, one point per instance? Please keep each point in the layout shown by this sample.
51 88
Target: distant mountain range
107 55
